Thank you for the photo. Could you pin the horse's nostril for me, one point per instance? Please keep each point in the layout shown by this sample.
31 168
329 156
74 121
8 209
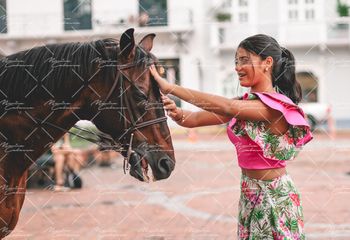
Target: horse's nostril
166 165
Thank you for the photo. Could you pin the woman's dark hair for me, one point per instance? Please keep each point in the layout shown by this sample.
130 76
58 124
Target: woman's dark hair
283 70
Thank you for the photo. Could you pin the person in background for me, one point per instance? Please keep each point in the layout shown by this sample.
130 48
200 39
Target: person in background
65 158
268 129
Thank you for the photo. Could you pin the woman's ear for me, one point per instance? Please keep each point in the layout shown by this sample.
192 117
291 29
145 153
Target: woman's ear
269 62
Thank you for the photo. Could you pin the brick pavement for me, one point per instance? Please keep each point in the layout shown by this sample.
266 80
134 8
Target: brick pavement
198 202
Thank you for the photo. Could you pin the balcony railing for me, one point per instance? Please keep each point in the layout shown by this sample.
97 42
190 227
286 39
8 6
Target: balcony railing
110 21
334 31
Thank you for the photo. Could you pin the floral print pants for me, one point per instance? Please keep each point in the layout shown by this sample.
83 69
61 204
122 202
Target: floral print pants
270 209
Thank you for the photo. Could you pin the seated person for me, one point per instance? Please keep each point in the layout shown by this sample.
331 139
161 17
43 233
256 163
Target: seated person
65 157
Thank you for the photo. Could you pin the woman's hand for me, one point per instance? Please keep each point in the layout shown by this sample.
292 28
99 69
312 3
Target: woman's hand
164 86
172 111
66 146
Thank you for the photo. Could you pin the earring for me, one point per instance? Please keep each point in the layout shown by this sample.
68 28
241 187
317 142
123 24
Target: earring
266 69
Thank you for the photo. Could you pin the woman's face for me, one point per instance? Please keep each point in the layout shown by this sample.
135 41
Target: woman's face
249 68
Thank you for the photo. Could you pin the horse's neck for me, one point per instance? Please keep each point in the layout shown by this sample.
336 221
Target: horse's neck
29 131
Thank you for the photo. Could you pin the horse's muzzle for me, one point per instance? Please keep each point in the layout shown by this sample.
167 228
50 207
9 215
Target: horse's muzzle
161 164
164 168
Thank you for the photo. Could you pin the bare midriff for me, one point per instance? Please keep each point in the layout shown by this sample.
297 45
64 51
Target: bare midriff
264 174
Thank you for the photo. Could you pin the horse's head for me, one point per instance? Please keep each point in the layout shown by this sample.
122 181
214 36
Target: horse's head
135 116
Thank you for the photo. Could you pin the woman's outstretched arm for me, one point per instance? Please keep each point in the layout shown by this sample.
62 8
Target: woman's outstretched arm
253 110
191 119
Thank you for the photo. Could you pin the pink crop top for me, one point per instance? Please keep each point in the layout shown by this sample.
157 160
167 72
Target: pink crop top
256 147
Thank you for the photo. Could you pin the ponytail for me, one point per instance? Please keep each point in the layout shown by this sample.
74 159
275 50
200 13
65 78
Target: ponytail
283 76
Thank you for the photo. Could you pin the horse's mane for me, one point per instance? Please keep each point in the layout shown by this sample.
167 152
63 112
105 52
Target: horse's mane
61 69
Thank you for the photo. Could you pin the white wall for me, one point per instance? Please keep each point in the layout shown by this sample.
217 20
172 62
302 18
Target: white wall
34 17
337 85
108 13
180 12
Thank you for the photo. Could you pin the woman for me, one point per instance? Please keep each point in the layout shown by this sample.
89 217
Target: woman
267 128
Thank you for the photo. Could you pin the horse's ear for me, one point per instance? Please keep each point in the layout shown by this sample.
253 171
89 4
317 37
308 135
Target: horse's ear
147 42
127 44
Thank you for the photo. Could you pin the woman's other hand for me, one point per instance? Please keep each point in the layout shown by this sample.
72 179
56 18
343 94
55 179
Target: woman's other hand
164 86
172 110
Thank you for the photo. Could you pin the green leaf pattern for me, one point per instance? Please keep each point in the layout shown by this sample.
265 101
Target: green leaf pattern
270 209
276 147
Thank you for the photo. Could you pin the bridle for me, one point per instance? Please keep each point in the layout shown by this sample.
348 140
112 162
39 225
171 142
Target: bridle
135 123
122 145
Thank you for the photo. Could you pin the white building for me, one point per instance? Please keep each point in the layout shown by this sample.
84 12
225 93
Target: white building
194 40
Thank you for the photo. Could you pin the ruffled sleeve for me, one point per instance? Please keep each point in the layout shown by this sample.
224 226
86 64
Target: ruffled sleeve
294 115
256 137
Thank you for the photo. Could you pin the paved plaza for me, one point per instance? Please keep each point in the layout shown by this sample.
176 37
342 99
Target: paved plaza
199 201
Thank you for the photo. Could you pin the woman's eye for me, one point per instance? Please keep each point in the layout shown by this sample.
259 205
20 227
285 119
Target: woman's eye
242 61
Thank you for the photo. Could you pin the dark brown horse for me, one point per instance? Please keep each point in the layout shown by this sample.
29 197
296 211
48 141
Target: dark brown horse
44 91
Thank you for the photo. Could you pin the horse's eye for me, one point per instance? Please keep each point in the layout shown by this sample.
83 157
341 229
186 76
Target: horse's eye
142 104
140 96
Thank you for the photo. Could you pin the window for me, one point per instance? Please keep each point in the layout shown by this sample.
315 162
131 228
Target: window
153 13
303 10
3 17
243 3
291 2
309 14
243 17
77 14
309 85
172 74
240 11
231 87
293 14
222 35
227 4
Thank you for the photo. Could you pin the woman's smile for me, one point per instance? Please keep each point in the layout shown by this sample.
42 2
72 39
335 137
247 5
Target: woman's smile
241 75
